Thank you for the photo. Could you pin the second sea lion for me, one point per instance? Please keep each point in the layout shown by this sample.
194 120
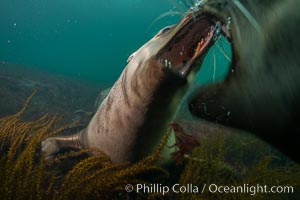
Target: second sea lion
261 93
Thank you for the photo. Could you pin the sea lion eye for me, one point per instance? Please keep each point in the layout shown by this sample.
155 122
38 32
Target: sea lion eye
164 30
130 57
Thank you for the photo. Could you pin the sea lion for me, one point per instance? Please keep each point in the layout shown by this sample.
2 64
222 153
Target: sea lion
261 93
134 116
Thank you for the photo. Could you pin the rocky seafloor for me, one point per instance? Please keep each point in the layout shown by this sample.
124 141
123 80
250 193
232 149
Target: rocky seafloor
56 94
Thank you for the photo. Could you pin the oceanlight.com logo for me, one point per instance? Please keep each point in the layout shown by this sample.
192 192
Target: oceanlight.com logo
250 189
211 188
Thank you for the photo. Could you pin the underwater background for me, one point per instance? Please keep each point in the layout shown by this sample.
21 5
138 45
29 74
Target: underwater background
89 40
70 51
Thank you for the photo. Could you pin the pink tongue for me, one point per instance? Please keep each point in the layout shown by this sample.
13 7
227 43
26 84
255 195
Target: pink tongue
198 51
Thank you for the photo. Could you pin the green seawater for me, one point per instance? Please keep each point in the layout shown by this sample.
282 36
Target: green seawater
86 39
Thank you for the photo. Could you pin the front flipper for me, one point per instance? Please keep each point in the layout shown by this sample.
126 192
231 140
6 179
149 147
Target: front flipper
54 145
50 148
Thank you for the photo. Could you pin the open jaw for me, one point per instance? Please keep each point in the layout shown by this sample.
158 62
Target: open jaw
189 44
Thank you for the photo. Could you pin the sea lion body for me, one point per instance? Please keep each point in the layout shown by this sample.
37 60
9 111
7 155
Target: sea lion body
116 127
121 118
133 118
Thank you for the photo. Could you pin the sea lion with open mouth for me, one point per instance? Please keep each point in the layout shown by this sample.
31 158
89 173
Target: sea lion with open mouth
261 93
133 118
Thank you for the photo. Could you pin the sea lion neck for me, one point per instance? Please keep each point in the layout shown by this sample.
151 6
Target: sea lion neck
142 95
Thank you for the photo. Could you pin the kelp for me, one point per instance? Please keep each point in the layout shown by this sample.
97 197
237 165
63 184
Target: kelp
25 175
224 160
212 163
96 175
20 171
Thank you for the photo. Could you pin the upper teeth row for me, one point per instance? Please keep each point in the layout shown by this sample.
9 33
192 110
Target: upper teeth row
217 31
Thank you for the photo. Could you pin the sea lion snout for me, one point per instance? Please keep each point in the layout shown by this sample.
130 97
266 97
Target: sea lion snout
189 41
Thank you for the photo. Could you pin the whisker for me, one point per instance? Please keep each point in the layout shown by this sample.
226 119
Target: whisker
169 13
238 5
179 8
185 3
210 60
221 48
215 64
235 22
212 2
192 2
247 14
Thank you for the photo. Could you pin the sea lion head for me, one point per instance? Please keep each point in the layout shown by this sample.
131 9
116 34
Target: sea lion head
180 48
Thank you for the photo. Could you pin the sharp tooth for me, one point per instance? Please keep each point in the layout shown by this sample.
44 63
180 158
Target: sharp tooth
170 65
181 53
166 63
